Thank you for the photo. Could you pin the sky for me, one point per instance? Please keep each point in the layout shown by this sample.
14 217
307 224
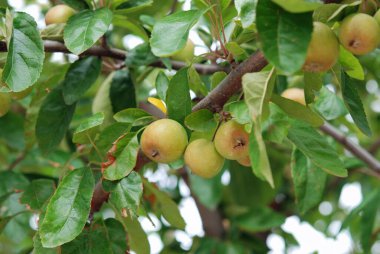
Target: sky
309 238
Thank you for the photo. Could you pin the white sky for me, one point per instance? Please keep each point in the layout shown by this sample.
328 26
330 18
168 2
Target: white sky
309 238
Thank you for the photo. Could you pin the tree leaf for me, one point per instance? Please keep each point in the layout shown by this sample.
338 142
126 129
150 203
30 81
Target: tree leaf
85 28
246 11
178 99
176 28
316 148
127 192
329 105
11 182
53 32
122 91
77 4
201 120
258 89
140 55
37 193
354 103
87 130
298 6
134 116
110 134
39 249
125 162
25 54
285 36
258 155
239 111
208 191
167 206
162 84
195 82
297 110
53 120
103 237
134 5
313 83
68 209
79 78
309 182
259 219
367 224
350 64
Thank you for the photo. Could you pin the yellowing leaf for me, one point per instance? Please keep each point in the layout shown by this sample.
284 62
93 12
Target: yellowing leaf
158 104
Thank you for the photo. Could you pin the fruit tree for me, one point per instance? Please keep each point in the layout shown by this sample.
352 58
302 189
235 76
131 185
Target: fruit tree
115 114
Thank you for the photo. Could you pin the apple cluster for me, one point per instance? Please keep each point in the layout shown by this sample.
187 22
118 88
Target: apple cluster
166 141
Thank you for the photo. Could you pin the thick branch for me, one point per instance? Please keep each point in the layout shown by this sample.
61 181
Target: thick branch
355 149
54 46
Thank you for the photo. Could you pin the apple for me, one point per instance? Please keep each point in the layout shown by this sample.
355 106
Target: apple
295 94
59 14
5 103
186 54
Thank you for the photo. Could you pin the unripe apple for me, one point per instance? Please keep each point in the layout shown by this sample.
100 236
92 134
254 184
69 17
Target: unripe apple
5 103
295 94
368 6
231 140
59 14
164 141
22 94
323 50
202 158
377 16
245 161
186 54
359 33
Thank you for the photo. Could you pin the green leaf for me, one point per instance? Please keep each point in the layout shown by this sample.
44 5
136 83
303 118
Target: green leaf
125 162
110 134
85 28
134 116
350 64
140 55
87 130
258 155
239 111
216 78
201 120
37 193
309 182
285 36
367 224
39 249
5 220
167 206
68 209
134 5
122 91
103 237
354 103
11 182
77 4
178 99
259 219
316 148
176 29
79 78
208 191
195 82
53 32
162 84
126 193
329 105
246 11
276 128
313 83
258 89
53 120
25 54
137 239
297 6
297 110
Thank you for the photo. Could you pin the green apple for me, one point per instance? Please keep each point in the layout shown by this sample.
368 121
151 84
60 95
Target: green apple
5 103
323 50
202 158
59 14
359 33
164 141
186 54
231 140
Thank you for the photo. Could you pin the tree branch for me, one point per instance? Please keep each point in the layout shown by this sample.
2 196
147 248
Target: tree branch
55 46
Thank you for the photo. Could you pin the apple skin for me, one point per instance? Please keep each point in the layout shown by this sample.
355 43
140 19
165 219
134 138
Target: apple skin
295 94
186 54
359 33
245 161
323 50
231 140
59 14
5 103
164 141
202 158
377 16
